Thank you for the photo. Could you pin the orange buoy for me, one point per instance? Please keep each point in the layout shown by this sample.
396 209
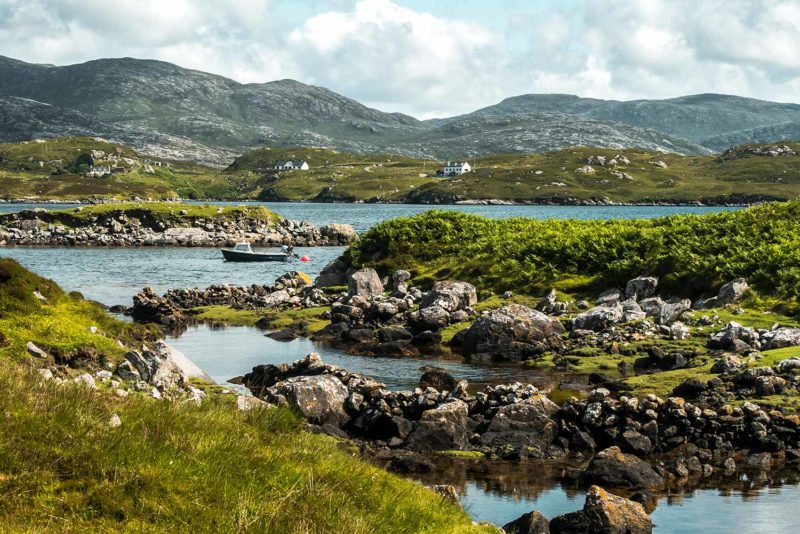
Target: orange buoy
305 259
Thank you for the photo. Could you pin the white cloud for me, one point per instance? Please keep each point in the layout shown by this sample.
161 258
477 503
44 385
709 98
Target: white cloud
438 62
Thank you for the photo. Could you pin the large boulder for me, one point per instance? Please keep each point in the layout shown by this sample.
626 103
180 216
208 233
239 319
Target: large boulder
430 318
164 367
441 428
338 234
526 424
320 398
513 332
598 318
672 310
364 283
641 287
450 296
604 513
611 467
334 274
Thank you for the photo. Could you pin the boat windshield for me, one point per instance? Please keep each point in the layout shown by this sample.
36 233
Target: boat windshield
242 247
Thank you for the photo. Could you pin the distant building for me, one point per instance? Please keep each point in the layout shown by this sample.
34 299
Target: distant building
291 165
454 168
96 171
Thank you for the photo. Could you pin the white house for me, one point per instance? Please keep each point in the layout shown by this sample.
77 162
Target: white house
453 168
291 165
98 171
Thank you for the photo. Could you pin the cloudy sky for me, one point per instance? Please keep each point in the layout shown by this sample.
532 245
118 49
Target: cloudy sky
437 58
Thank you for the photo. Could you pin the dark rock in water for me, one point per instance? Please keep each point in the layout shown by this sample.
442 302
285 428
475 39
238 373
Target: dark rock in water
689 389
440 429
646 499
282 335
333 331
458 338
394 348
604 513
513 332
437 379
531 523
118 308
394 333
611 467
427 339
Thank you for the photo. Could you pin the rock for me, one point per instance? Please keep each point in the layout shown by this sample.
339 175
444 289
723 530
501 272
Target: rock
439 429
114 421
438 379
86 379
282 335
320 398
732 291
450 296
609 296
531 523
672 310
641 287
598 318
401 461
634 442
512 332
33 350
46 374
585 169
761 460
726 363
660 164
430 318
246 403
334 274
526 424
364 283
394 333
679 331
611 467
604 513
338 234
788 365
783 337
631 311
689 389
162 367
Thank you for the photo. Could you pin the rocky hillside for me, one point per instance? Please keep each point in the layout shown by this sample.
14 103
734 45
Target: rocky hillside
174 112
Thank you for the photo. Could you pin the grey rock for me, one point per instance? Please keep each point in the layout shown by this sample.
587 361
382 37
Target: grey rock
442 428
450 296
641 287
364 283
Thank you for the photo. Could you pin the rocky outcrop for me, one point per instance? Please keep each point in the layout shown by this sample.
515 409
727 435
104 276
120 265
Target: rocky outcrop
531 523
604 513
729 293
441 428
450 296
320 399
148 228
612 467
513 332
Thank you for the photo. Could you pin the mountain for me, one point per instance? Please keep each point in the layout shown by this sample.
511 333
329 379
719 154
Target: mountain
712 120
161 108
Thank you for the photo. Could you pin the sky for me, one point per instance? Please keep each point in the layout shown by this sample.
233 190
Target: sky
436 58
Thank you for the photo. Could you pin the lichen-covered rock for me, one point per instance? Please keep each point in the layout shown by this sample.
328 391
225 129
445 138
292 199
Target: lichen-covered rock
319 398
442 428
450 296
512 332
783 337
531 523
598 318
732 292
641 287
604 513
526 424
364 283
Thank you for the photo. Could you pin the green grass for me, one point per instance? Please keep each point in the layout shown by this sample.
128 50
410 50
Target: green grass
691 254
304 321
173 466
226 315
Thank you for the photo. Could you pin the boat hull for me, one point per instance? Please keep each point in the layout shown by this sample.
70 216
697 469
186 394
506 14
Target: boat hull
235 255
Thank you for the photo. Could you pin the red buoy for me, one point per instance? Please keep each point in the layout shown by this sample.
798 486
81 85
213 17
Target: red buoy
305 259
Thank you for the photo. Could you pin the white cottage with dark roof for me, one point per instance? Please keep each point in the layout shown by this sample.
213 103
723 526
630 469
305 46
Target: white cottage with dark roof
453 168
291 165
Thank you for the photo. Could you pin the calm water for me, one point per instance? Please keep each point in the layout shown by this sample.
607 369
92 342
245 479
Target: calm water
491 493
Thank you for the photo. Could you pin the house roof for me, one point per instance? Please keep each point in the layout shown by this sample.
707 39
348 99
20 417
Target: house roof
456 163
294 162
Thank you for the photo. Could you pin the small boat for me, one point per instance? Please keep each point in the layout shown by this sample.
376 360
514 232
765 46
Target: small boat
243 252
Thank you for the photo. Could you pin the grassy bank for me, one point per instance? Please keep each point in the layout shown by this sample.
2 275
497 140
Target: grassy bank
171 465
690 254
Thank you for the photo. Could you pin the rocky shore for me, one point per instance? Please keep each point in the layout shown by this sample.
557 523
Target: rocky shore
145 227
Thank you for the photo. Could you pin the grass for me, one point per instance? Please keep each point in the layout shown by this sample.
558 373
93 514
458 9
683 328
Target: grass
338 176
173 466
304 321
691 254
225 315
